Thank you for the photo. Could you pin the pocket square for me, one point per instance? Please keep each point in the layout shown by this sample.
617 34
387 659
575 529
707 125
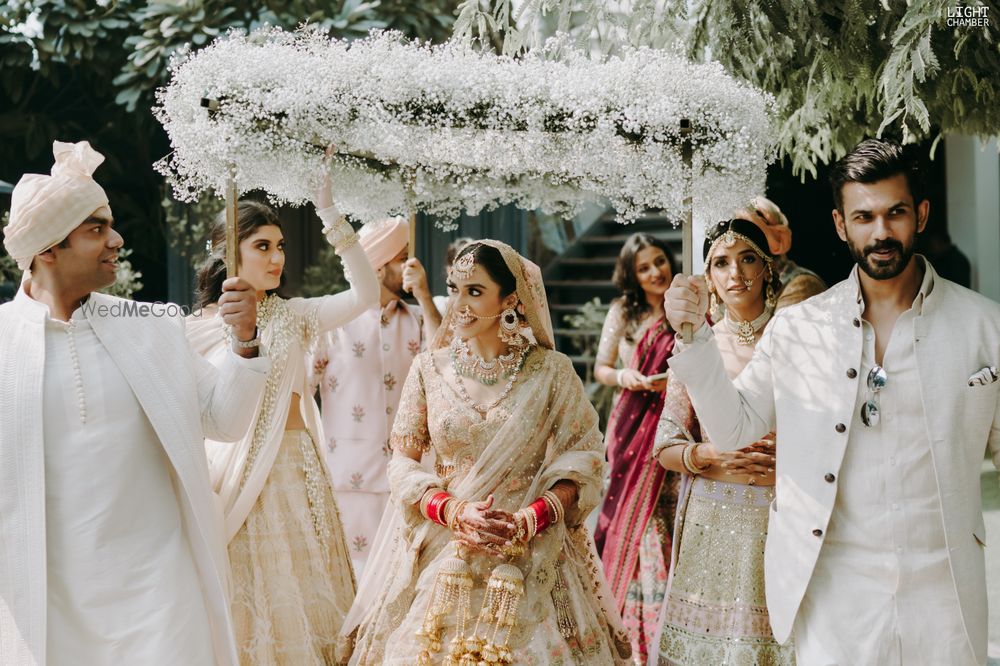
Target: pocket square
987 375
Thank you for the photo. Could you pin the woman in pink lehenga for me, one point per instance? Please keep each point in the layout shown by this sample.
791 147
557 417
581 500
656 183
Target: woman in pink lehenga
634 528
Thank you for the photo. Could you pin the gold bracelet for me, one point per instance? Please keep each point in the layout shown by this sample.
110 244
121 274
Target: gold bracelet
532 523
688 461
426 498
452 520
554 505
341 235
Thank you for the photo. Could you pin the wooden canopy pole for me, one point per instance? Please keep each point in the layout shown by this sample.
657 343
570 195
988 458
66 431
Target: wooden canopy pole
232 228
413 236
687 237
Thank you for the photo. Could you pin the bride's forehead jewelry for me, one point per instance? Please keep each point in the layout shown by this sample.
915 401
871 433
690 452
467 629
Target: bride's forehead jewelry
464 266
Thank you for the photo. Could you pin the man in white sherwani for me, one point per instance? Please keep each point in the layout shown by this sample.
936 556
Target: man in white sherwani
110 547
883 393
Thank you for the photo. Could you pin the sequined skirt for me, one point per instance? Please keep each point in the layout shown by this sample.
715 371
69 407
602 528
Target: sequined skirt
291 570
715 612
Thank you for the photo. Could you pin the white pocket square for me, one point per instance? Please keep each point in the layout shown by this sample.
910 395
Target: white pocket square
987 375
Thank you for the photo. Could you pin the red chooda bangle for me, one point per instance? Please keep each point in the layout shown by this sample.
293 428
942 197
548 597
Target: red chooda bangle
435 508
542 517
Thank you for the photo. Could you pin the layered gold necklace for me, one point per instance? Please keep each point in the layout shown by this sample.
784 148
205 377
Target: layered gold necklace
472 366
746 330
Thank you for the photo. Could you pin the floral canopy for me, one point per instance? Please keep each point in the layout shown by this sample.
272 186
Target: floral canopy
448 128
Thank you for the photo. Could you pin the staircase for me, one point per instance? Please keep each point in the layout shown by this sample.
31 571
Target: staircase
584 271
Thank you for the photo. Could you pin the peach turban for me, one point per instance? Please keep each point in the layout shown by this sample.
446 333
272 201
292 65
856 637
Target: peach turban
768 217
384 239
45 209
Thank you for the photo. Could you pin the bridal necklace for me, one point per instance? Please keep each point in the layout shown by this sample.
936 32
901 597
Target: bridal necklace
470 365
746 330
472 368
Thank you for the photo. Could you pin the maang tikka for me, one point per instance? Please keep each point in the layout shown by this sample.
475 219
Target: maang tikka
464 266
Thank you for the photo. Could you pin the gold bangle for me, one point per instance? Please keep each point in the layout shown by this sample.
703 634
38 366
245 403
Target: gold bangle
452 520
687 459
554 505
427 497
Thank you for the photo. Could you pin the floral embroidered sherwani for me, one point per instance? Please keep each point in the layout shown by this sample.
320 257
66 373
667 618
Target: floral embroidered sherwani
360 369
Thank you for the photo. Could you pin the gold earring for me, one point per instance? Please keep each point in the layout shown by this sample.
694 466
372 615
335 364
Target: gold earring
510 328
713 299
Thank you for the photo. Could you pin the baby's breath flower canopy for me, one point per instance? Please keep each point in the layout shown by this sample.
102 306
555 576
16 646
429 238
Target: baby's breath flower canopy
445 129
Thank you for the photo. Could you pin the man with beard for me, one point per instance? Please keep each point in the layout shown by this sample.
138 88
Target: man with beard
360 369
883 393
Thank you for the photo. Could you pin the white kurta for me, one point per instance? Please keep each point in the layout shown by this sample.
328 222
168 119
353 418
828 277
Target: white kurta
364 364
122 581
885 541
183 398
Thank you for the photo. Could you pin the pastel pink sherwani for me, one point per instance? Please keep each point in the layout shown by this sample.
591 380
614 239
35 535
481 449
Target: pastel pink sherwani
366 361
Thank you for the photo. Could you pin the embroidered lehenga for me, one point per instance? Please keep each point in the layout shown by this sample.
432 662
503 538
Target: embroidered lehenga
715 611
635 526
542 432
292 582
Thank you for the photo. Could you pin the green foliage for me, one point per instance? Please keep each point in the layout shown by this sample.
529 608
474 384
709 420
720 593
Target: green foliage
126 277
589 318
845 69
840 70
88 69
326 276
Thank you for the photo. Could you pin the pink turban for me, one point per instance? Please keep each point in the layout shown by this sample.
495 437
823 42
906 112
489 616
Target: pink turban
384 239
768 217
45 209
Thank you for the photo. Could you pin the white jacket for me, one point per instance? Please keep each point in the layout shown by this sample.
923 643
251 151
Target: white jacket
185 399
798 385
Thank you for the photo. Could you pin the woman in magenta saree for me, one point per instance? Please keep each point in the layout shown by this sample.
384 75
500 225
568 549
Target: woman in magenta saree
634 528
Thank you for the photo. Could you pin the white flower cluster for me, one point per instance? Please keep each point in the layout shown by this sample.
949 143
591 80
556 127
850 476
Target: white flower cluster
445 129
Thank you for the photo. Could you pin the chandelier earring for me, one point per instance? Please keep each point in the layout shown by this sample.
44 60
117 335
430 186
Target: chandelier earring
713 300
510 328
770 297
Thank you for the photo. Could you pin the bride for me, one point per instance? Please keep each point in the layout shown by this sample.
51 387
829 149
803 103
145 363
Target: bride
482 556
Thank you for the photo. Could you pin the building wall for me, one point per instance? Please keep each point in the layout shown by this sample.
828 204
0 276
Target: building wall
973 178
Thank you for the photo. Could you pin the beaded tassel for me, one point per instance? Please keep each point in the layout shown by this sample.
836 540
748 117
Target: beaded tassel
503 595
452 587
564 615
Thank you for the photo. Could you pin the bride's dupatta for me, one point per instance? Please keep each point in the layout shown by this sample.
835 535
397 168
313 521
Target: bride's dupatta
545 431
636 479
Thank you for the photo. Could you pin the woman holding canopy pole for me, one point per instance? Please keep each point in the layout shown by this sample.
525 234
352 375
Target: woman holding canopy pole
292 581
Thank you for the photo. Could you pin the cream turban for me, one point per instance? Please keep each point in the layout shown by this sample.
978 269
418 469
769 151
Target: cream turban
45 209
384 239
